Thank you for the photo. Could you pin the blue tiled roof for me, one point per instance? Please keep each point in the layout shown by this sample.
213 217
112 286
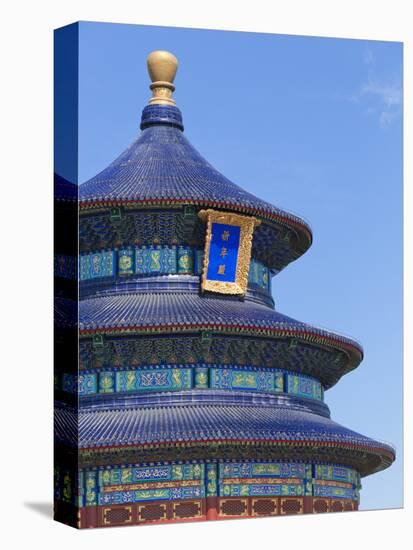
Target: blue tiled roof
64 190
65 312
202 423
187 310
162 165
201 397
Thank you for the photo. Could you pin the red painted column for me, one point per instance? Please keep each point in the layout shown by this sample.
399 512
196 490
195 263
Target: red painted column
308 505
211 508
89 516
211 486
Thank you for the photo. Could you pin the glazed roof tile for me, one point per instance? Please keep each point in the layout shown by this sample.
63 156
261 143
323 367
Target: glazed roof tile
192 311
203 423
64 190
161 166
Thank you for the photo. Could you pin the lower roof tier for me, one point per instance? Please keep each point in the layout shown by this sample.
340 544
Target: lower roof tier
295 433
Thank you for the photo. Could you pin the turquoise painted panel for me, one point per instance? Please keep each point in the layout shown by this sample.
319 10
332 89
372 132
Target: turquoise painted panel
106 382
201 377
169 260
232 379
185 260
186 377
153 379
87 384
126 262
303 386
84 384
97 265
279 381
155 259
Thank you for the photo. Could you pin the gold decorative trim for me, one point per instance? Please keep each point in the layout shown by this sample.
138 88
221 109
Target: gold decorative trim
111 508
246 225
184 502
326 501
149 503
286 500
257 514
236 499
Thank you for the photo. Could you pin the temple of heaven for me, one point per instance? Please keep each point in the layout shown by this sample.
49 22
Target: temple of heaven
194 398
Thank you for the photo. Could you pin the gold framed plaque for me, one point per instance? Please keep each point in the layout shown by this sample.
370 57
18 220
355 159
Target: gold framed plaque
227 252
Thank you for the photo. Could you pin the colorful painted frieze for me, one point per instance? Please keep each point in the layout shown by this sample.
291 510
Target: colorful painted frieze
126 262
131 484
201 378
97 265
332 491
91 488
170 472
250 490
148 260
211 481
106 382
155 259
154 379
181 377
265 381
185 260
303 386
336 473
173 493
265 469
87 384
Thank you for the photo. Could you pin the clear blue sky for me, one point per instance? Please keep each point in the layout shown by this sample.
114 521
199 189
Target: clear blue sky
314 126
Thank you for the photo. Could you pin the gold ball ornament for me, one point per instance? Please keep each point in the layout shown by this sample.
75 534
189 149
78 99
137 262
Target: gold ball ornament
162 67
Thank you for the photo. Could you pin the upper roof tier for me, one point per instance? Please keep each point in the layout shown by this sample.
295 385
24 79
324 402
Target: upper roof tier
162 169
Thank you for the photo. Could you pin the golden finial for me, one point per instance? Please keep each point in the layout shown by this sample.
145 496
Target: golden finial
162 68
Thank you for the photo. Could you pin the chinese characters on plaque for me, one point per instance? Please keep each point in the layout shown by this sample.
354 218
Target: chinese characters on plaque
227 251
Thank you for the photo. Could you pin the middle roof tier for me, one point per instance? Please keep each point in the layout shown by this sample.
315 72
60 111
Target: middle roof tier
157 314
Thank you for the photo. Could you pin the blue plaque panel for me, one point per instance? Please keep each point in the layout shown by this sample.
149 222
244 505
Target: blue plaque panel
227 254
223 252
